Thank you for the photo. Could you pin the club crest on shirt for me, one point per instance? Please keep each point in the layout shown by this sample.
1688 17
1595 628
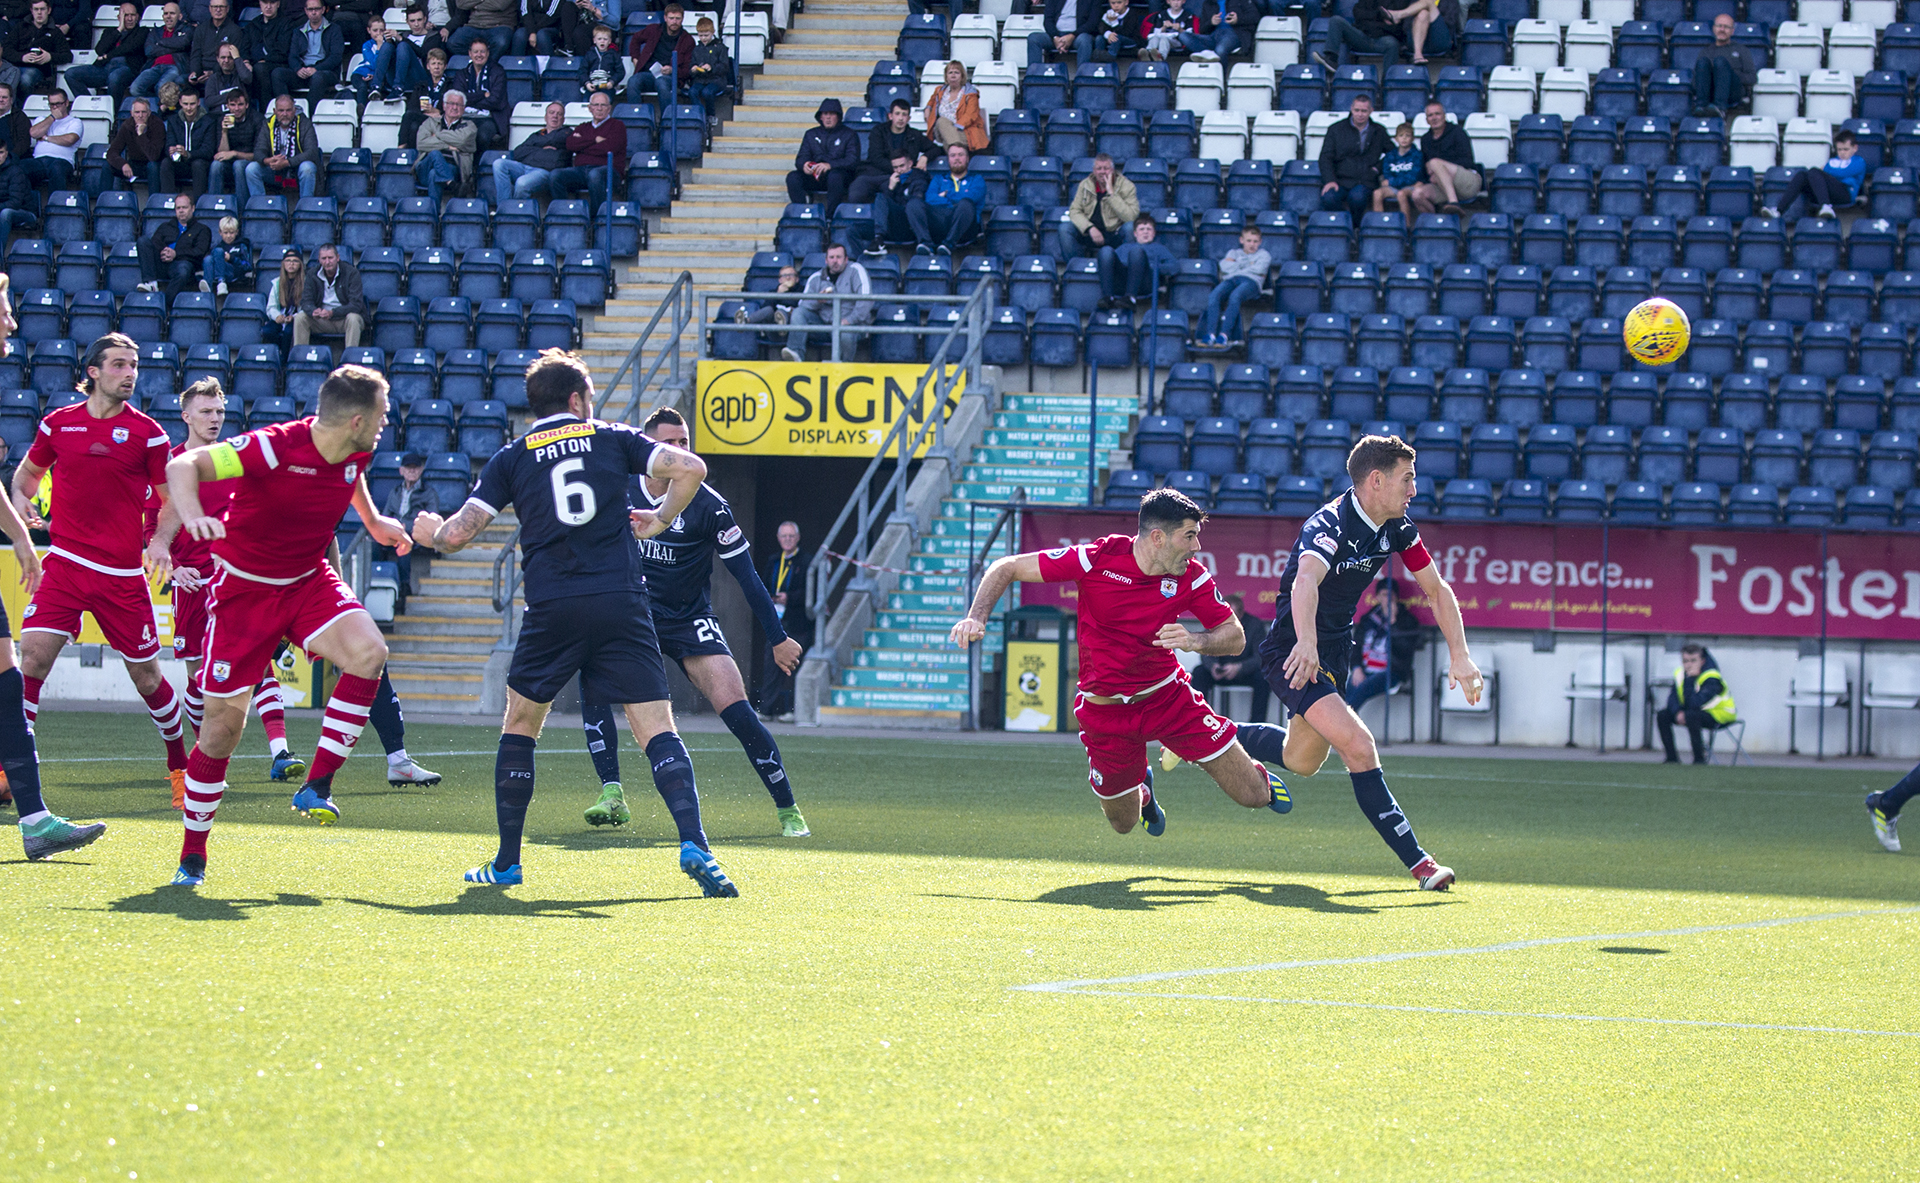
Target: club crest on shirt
222 671
1384 544
352 470
679 524
121 435
1168 587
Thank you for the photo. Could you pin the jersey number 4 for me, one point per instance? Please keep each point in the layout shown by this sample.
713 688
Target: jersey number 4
573 501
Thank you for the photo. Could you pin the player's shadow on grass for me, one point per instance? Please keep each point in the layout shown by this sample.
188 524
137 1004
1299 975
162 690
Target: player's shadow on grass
492 901
191 905
1147 893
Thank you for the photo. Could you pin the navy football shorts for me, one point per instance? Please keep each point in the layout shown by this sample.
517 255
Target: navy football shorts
607 640
697 636
1331 679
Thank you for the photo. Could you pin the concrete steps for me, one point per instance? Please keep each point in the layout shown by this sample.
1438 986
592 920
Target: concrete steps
438 649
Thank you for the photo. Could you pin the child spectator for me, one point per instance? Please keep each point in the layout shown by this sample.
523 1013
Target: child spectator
712 68
1400 170
230 262
1242 272
362 77
604 66
1837 185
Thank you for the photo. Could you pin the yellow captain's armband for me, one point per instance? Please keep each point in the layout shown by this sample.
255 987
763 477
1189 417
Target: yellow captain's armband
226 461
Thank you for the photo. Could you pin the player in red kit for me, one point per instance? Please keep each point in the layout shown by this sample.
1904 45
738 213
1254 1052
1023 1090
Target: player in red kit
1133 591
203 407
105 457
292 482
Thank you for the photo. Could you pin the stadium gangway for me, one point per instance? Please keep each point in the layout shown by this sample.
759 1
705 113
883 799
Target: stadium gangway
676 312
955 359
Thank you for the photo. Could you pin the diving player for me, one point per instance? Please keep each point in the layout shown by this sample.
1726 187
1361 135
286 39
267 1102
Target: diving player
587 610
678 563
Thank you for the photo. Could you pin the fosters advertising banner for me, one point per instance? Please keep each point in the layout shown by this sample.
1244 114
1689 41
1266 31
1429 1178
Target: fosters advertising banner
1705 582
805 408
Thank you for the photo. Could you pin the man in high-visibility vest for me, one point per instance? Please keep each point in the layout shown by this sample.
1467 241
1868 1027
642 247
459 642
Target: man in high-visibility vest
1699 701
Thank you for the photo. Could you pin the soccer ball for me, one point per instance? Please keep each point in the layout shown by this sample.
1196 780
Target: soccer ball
1657 331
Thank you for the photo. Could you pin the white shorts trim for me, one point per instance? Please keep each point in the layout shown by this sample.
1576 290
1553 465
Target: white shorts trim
335 619
58 632
226 566
93 566
1218 754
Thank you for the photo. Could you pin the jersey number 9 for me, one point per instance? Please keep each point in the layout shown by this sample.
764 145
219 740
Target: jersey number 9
573 501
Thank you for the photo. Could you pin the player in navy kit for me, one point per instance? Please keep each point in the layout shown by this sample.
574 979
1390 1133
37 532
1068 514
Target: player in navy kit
1341 548
587 612
679 567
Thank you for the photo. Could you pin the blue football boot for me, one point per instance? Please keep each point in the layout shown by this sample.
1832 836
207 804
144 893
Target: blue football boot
309 803
1153 815
286 766
1282 801
703 869
192 871
485 873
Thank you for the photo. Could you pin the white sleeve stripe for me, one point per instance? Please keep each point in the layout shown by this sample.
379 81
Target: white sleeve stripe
44 429
1201 582
653 459
160 441
266 449
1315 556
738 550
1086 558
490 510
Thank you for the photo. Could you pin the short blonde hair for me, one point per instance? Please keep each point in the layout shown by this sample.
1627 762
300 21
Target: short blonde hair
230 223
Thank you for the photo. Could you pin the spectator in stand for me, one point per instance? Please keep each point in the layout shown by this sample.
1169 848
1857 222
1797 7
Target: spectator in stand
953 111
16 131
896 137
838 276
1431 25
778 305
408 500
399 65
37 47
1167 27
493 20
1350 159
425 100
1139 266
599 151
332 304
1832 187
286 153
230 72
166 100
283 297
1372 30
361 80
1243 669
1699 701
1400 172
825 163
1067 27
448 147
1103 207
208 36
1724 74
483 84
604 67
193 136
269 41
19 203
352 17
546 26
950 213
712 71
1116 34
1226 28
137 154
586 18
652 50
168 48
120 54
172 253
1453 178
240 129
230 262
904 184
528 170
316 57
56 144
786 580
1242 272
1383 643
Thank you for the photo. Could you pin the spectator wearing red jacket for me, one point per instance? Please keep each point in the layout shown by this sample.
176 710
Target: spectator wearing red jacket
652 50
596 145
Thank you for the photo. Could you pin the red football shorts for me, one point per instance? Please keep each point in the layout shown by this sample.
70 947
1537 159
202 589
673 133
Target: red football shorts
189 623
247 620
1116 735
120 604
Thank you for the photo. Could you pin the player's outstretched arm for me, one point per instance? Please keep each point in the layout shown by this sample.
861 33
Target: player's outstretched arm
448 535
683 472
184 474
1303 664
1226 639
385 530
1003 574
1461 671
26 482
786 650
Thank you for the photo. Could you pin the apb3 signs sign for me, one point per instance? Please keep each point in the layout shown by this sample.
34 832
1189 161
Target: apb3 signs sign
806 409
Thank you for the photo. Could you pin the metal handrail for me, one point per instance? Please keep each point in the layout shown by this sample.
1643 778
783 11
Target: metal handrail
976 565
506 572
833 329
826 573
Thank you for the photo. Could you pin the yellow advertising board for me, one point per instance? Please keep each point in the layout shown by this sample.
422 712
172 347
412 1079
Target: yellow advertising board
1033 686
804 408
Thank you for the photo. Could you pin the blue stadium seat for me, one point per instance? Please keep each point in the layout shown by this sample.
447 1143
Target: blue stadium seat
1637 503
316 221
258 372
363 225
1270 339
1579 501
1753 505
1810 505
1269 449
1891 457
1835 458
1324 444
159 370
1523 501
191 320
1800 404
1125 487
1695 504
1214 448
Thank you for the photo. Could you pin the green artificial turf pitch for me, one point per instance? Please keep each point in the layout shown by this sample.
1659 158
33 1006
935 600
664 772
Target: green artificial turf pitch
335 1003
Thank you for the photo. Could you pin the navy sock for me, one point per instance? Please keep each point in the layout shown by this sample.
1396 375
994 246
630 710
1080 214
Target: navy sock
603 739
1265 743
17 755
673 777
512 793
1370 790
765 754
384 713
1890 801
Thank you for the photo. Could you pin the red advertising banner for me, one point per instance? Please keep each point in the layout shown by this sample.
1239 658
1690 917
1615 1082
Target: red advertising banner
1679 580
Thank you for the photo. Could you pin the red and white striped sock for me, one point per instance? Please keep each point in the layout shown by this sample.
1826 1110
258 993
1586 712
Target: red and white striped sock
194 702
30 698
170 716
272 712
206 782
340 729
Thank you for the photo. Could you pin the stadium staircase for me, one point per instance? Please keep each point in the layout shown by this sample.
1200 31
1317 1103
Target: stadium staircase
905 671
732 201
439 647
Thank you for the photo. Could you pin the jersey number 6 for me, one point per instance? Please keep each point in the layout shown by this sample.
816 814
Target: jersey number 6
573 501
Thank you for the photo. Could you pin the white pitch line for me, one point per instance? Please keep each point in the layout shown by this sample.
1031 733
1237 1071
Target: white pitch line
1078 985
1498 1014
